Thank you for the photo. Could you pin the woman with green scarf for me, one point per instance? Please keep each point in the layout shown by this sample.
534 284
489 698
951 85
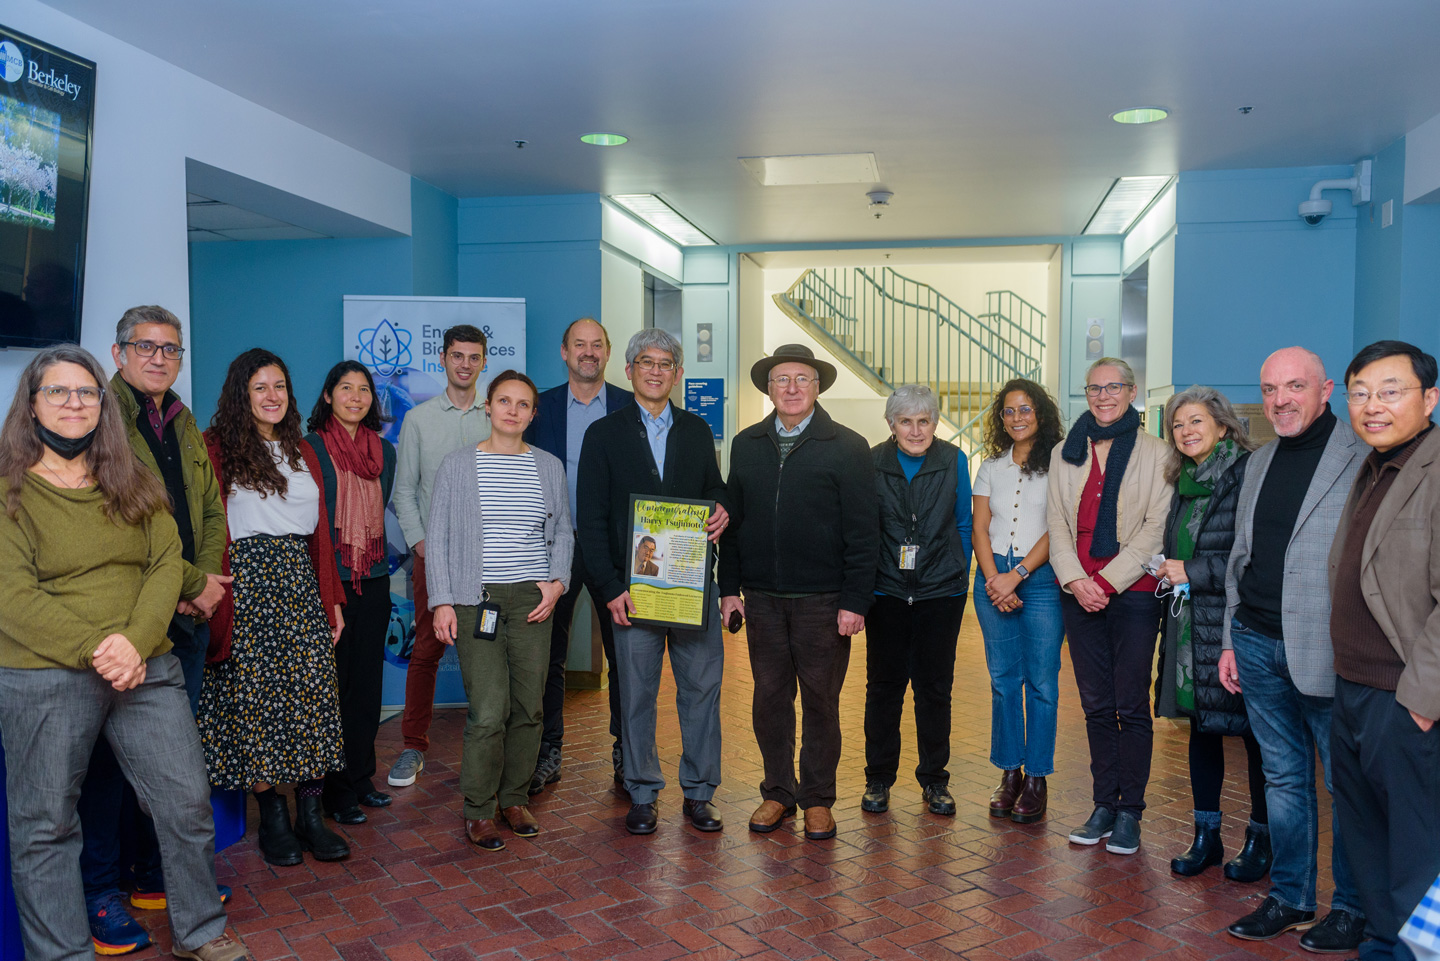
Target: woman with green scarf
1211 448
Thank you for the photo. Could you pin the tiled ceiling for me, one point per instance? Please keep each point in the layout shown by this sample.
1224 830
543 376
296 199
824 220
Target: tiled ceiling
213 220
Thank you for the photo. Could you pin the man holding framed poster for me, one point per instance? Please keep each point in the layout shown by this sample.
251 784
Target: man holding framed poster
651 501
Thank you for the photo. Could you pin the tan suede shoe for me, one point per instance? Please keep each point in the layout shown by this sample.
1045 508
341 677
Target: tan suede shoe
767 816
819 824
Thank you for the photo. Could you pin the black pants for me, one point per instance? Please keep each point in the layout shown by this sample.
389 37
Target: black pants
359 663
554 703
1207 772
795 642
910 645
1386 773
1112 652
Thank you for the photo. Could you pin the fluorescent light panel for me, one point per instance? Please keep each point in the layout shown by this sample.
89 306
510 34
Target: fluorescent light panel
806 169
660 215
1126 201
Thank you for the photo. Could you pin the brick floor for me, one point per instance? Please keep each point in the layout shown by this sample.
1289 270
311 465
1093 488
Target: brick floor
905 884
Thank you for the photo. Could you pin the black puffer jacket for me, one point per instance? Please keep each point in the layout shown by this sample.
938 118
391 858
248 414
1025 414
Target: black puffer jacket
1220 712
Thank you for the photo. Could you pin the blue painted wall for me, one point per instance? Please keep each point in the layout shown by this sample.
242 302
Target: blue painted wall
1397 284
284 295
545 249
1252 277
433 225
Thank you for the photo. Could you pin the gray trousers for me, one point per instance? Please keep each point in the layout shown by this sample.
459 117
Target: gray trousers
697 661
50 720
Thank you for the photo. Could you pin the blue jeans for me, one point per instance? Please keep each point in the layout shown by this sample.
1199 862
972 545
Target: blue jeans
1291 727
1022 651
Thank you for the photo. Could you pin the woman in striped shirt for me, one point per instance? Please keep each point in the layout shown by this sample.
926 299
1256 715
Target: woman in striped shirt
497 558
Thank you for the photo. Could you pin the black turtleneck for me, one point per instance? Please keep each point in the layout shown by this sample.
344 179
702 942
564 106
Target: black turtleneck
1262 584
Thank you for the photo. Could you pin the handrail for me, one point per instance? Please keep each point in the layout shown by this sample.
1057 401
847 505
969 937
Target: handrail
890 329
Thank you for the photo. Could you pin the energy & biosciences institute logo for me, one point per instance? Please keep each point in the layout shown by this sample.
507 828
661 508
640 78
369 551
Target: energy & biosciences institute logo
12 64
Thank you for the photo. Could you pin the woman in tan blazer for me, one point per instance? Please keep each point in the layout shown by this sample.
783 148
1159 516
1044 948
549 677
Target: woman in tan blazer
1107 504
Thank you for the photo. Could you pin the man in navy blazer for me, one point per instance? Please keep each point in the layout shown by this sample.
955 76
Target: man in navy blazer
562 416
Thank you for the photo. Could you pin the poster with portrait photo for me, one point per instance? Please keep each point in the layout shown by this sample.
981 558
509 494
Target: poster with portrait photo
671 562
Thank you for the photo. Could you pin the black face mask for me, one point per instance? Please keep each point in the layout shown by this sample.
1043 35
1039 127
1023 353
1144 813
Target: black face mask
67 447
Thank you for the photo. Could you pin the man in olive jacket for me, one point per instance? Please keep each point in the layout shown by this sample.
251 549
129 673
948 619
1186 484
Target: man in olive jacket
803 544
163 433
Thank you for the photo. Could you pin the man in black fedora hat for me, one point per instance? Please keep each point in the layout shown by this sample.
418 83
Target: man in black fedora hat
802 545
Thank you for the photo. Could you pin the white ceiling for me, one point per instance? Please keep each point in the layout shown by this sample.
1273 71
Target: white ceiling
986 119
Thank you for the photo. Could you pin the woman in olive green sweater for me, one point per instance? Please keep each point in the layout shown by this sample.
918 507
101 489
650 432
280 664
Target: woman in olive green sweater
89 578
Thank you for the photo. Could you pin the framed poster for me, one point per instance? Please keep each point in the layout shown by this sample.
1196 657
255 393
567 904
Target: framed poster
670 561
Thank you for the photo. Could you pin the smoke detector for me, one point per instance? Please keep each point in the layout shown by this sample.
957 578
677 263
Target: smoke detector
879 201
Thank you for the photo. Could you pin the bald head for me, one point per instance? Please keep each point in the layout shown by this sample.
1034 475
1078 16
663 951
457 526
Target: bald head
1295 389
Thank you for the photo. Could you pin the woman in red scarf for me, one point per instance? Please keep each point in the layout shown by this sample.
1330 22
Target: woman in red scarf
358 470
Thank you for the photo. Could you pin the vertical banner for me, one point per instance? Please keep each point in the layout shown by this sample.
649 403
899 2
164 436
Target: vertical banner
400 340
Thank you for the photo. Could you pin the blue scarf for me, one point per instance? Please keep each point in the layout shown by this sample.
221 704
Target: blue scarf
1105 543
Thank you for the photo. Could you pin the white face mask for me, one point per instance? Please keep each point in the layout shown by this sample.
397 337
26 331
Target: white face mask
1180 593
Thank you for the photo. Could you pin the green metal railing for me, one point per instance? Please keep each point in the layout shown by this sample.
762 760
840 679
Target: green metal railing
891 330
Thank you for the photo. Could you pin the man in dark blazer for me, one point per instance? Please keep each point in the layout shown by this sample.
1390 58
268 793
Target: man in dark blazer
1276 641
652 448
562 417
1384 572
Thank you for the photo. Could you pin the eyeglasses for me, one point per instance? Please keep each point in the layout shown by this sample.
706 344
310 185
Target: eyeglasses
57 396
799 380
1385 395
1013 411
1095 390
650 363
146 349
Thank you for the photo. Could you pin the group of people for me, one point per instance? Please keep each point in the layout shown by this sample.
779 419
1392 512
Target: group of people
183 609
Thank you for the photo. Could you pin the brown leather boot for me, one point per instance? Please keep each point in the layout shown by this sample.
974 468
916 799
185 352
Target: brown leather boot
483 834
1002 802
1030 805
520 821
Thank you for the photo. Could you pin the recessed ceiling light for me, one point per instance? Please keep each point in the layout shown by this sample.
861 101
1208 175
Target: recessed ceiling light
1140 115
655 212
1127 200
605 139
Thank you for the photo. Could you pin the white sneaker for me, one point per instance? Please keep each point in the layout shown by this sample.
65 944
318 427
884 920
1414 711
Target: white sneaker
407 767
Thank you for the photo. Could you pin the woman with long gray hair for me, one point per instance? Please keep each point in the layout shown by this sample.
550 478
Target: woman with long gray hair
90 574
924 492
1210 448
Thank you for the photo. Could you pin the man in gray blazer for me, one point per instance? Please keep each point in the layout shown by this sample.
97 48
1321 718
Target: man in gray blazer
1277 638
1383 571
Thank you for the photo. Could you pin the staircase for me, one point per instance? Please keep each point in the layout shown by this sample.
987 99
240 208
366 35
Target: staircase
890 330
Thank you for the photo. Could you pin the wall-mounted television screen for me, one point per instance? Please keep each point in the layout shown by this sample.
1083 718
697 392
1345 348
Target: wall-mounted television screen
47 103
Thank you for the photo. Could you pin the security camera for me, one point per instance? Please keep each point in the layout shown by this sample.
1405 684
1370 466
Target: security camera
1314 211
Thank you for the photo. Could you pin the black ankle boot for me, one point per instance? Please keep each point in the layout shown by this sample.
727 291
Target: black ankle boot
1253 861
278 844
322 843
1202 854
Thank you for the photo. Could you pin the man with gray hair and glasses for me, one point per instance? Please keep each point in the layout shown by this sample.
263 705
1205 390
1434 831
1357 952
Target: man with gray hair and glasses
148 353
803 545
654 449
1276 645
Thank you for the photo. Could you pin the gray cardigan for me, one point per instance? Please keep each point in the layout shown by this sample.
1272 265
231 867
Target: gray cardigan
455 530
1305 606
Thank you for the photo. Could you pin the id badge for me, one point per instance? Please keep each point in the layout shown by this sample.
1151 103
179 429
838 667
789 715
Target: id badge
487 620
908 554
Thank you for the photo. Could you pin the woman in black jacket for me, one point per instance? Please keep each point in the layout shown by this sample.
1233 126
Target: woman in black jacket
1211 449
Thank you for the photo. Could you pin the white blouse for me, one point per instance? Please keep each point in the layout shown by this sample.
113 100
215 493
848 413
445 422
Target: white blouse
298 512
1017 504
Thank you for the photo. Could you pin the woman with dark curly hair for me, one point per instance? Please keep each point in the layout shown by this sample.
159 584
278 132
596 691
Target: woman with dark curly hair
1017 600
269 708
357 468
